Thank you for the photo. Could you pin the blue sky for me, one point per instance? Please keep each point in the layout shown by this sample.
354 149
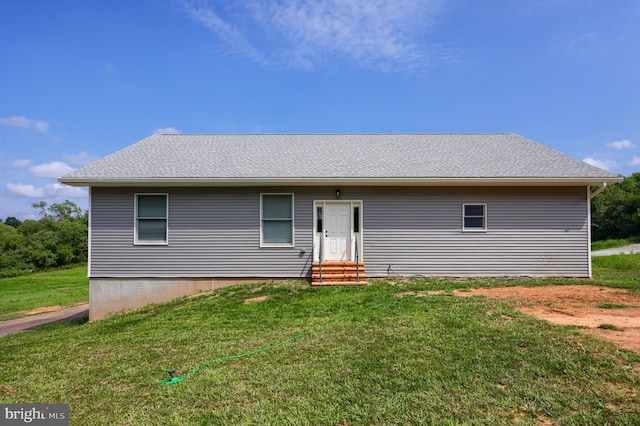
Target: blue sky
80 80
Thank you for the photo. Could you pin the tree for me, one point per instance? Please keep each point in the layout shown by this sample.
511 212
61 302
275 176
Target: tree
58 211
59 238
42 205
12 221
63 211
615 213
11 251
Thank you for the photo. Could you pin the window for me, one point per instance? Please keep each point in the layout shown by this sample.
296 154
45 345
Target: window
474 217
276 220
151 218
356 219
319 225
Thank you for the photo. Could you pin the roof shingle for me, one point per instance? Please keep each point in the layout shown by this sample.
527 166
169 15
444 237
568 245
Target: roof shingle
220 157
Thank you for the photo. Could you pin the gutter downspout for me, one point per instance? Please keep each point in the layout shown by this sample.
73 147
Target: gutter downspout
602 187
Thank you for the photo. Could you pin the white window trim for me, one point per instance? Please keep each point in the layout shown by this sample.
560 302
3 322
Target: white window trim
136 241
293 224
318 235
485 217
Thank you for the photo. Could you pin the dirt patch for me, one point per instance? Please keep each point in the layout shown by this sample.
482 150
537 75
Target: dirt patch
47 309
579 305
43 310
585 306
255 299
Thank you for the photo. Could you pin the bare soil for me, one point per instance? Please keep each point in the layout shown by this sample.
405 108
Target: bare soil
255 299
43 310
586 306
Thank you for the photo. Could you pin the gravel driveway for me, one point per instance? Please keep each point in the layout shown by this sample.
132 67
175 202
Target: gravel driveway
630 249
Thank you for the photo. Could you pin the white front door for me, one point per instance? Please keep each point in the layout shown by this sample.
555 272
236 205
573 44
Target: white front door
337 225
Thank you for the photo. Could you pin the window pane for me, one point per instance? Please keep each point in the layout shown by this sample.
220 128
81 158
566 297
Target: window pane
477 210
474 222
276 207
277 231
152 206
152 229
319 223
356 219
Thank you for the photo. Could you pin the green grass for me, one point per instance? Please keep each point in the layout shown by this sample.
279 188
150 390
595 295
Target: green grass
610 327
620 271
612 306
605 244
367 357
64 287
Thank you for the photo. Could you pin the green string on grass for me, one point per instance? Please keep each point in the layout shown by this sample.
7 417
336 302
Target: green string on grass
173 380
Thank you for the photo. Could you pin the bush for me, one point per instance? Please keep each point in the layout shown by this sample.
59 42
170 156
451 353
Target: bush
615 213
60 238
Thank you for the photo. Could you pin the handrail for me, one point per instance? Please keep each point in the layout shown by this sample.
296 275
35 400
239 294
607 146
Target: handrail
357 259
320 256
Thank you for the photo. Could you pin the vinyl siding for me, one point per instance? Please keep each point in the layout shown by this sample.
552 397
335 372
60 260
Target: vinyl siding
530 231
212 233
215 232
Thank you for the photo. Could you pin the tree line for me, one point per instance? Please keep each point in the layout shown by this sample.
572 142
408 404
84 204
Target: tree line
59 238
615 213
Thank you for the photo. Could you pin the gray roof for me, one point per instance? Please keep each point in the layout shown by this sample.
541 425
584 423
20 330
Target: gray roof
214 159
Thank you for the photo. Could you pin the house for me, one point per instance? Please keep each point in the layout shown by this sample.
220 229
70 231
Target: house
175 214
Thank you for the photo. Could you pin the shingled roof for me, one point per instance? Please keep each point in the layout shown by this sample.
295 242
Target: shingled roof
316 159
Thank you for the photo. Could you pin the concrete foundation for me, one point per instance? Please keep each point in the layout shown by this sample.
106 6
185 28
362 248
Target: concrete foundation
111 295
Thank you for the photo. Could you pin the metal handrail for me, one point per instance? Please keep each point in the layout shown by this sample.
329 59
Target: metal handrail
320 256
357 259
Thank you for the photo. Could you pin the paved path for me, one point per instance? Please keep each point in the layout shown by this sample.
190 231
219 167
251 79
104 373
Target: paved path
27 323
630 249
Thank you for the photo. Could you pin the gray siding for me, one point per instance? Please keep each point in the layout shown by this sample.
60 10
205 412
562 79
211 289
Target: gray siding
531 231
214 232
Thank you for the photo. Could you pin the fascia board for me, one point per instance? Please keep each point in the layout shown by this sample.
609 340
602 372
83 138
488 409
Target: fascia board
240 182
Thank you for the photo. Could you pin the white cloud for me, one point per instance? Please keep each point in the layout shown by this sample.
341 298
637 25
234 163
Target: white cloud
625 143
364 30
54 169
25 123
372 33
635 161
25 190
60 190
167 131
581 39
230 35
20 164
603 164
80 159
52 190
110 69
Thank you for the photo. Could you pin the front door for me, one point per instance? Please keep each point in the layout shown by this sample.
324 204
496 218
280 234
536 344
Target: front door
337 225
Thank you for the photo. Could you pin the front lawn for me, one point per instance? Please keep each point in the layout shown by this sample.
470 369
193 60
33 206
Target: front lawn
619 271
63 287
366 357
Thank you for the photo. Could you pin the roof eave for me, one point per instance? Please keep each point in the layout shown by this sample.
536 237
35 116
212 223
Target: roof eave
419 181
